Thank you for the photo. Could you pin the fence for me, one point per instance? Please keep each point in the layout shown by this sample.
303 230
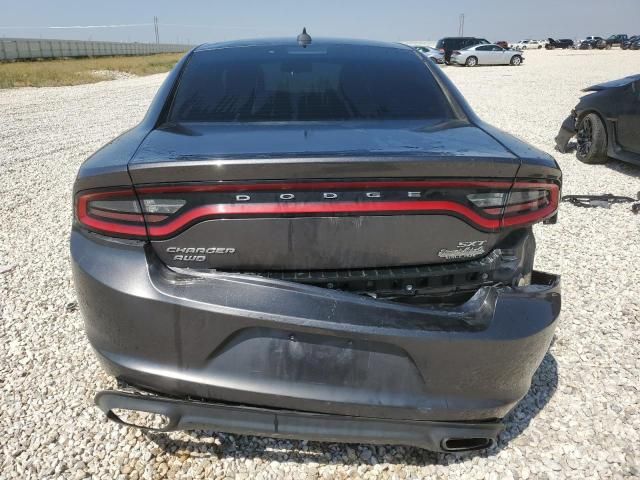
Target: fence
26 48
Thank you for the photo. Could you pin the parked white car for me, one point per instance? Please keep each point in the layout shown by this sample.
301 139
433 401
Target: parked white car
486 55
529 45
431 53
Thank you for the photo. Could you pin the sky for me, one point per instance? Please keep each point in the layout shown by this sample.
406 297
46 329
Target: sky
200 21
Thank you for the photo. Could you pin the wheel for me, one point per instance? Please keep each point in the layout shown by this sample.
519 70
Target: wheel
608 47
539 47
471 62
516 60
592 140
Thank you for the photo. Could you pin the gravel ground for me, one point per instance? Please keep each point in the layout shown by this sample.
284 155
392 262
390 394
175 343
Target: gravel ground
113 74
581 418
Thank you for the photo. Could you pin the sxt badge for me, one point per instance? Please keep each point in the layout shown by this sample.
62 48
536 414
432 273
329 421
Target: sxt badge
464 250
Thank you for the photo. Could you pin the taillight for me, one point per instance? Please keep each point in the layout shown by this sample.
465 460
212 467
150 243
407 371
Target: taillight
530 203
524 204
164 211
114 213
119 213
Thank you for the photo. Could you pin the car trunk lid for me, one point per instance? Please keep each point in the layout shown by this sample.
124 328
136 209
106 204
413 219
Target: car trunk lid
314 196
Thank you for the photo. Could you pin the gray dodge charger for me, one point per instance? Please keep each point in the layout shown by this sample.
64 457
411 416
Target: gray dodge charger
316 240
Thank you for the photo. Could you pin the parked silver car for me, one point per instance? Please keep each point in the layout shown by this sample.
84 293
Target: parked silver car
529 44
486 55
431 53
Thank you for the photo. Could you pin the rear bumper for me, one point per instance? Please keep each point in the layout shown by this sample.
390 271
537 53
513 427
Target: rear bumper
248 340
566 133
193 415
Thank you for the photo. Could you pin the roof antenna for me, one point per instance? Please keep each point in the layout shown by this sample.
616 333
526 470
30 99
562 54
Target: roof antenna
304 38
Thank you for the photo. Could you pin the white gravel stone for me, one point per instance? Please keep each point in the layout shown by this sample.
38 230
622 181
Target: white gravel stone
581 418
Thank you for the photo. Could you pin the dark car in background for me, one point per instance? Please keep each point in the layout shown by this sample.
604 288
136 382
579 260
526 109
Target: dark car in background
628 43
563 43
448 45
316 240
605 123
592 42
617 40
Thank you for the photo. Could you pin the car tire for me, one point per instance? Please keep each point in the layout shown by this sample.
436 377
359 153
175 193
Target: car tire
592 140
608 47
471 62
516 61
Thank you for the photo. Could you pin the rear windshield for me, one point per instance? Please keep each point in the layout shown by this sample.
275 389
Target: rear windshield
257 84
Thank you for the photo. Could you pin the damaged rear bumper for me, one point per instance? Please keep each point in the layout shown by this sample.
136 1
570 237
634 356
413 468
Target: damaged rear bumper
306 355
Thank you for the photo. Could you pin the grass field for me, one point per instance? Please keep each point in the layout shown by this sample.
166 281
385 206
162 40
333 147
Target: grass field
75 71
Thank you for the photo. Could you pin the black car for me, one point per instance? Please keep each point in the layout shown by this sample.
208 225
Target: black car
606 123
317 240
617 40
448 45
627 44
563 43
594 42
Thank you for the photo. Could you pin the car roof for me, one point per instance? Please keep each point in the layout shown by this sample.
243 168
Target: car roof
292 42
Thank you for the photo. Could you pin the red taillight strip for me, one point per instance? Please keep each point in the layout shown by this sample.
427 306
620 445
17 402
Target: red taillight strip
382 207
127 217
189 216
112 227
212 211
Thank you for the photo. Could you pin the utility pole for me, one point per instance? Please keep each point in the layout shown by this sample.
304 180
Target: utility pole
155 28
461 25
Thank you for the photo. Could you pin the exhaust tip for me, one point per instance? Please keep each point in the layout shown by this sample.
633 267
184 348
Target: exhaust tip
466 444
